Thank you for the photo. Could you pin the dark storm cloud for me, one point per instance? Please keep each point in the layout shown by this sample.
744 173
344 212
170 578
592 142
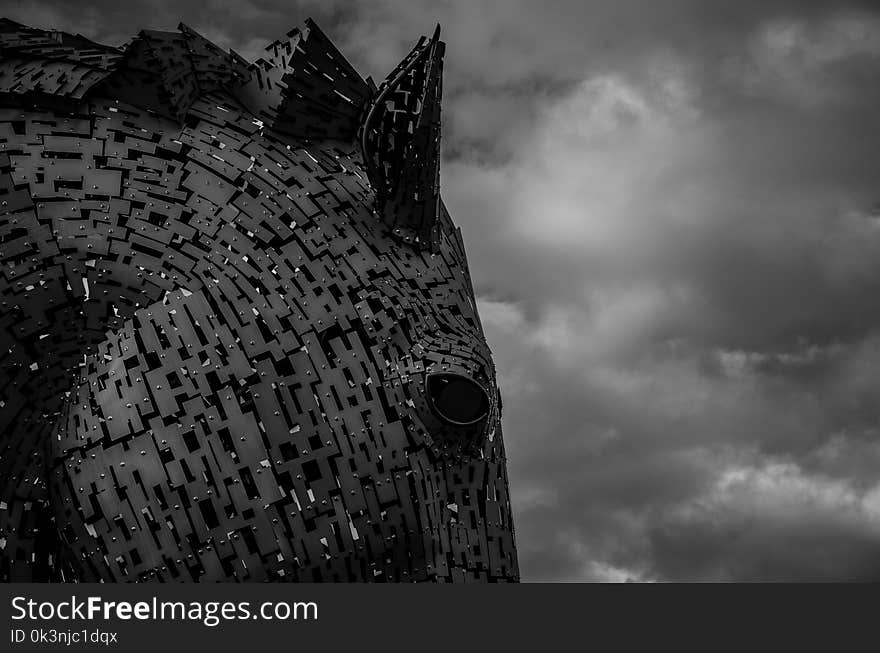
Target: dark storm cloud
673 220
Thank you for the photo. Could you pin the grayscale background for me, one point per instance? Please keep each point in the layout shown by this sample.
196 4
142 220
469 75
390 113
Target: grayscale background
672 216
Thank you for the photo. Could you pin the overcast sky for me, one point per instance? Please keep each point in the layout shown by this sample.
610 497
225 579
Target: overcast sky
672 216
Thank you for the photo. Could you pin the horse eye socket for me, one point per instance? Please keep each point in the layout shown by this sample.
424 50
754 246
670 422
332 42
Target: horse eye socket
457 399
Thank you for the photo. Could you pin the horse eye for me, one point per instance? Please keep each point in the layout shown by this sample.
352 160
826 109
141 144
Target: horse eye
457 399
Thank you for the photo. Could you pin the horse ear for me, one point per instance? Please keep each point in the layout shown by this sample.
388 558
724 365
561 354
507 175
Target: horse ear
400 143
305 88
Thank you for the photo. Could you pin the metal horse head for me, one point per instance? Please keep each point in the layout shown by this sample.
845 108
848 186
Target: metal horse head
238 338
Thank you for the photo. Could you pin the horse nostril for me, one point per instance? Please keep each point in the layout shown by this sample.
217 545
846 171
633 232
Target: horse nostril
457 399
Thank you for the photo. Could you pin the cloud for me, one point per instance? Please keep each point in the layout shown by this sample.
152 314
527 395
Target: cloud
680 299
773 522
813 62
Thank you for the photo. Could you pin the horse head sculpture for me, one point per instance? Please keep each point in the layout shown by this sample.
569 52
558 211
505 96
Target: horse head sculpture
238 337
